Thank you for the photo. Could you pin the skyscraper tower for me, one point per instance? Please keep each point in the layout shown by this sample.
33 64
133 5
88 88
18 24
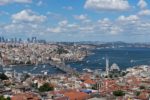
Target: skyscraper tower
107 66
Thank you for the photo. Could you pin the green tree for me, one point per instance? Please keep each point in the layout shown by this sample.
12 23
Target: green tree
115 75
8 98
106 76
111 75
137 93
123 73
3 76
46 87
142 87
2 98
61 50
26 76
118 93
94 87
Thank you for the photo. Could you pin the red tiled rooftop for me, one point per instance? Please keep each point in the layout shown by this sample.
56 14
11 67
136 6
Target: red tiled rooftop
76 95
25 96
89 81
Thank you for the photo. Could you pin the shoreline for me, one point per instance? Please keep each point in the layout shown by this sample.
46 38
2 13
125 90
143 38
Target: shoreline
21 65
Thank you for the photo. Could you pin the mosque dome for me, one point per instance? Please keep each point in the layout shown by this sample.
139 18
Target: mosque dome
114 67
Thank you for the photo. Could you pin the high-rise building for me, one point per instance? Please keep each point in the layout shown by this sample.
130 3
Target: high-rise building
28 40
0 39
12 40
34 40
3 40
20 40
15 40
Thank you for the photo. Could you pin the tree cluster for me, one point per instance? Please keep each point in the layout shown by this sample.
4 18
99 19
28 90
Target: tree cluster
46 87
3 76
118 93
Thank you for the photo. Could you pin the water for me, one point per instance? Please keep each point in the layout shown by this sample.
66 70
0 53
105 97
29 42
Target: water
39 69
124 57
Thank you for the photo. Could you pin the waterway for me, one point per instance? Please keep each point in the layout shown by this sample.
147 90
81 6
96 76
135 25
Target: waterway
124 57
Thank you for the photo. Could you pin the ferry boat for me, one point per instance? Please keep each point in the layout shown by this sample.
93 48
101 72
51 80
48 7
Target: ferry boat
87 61
34 68
7 68
43 66
87 70
132 61
81 58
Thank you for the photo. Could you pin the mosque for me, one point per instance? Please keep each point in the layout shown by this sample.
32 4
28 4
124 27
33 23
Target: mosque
113 68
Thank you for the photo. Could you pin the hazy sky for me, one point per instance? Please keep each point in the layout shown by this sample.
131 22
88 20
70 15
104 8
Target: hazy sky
76 20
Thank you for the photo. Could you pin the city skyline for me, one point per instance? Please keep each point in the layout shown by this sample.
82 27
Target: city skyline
82 20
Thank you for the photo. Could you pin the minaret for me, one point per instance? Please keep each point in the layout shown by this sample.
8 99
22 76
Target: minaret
107 66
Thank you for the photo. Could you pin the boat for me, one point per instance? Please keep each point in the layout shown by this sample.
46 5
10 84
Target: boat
25 72
132 61
103 57
34 68
80 58
43 66
87 61
7 68
87 70
11 65
44 71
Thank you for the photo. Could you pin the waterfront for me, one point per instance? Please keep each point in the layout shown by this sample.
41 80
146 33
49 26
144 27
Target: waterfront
124 57
33 69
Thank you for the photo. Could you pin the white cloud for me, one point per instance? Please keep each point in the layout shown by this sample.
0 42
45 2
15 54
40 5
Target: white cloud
63 23
107 5
4 2
80 17
115 30
39 3
68 7
54 30
85 29
103 26
61 27
142 4
104 21
55 16
12 27
123 26
28 16
145 12
128 18
73 26
83 18
133 25
26 29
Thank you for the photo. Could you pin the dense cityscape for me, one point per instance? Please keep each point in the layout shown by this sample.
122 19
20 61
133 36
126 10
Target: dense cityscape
112 83
13 53
74 49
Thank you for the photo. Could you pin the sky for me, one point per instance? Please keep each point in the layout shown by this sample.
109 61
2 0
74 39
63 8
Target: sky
76 20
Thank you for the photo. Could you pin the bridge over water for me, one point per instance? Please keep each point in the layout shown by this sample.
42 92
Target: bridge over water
63 67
